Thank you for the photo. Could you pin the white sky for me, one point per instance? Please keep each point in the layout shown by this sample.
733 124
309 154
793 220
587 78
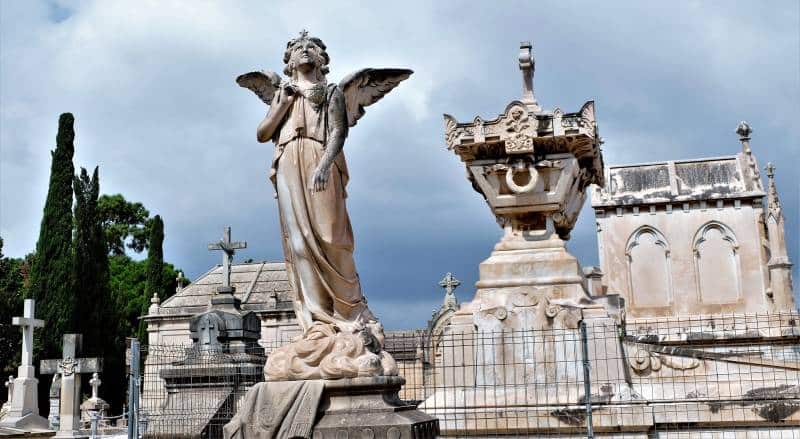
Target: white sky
151 86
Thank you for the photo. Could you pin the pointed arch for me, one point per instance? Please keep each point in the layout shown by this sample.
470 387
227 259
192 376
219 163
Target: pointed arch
716 264
649 268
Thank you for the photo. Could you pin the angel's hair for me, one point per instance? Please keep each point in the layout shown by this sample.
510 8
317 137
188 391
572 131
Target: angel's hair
290 46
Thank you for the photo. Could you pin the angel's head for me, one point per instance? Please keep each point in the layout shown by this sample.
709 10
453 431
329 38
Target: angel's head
306 53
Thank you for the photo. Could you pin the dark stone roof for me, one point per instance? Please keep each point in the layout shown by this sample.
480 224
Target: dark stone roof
678 181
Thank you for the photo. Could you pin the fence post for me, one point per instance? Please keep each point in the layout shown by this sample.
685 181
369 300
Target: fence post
133 392
587 383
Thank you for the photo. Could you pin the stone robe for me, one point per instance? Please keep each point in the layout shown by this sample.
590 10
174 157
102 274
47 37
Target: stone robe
317 235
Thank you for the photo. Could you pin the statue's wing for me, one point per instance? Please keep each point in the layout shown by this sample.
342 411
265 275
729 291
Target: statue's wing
367 86
263 84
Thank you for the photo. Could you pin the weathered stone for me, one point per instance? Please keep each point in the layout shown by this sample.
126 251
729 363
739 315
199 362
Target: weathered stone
22 410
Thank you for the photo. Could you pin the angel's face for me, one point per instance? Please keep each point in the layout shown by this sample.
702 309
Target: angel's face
306 56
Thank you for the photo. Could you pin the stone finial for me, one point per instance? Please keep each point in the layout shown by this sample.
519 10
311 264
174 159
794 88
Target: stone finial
179 282
744 130
95 383
9 385
528 66
773 202
449 283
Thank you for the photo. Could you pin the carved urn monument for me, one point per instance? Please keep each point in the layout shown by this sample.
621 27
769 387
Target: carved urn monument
517 344
533 168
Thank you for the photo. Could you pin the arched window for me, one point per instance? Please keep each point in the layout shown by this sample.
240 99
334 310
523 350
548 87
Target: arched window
649 272
716 263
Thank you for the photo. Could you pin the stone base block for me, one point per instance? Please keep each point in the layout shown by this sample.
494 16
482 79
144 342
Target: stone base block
28 422
370 408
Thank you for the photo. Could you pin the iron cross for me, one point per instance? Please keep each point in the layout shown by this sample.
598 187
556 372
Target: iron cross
228 250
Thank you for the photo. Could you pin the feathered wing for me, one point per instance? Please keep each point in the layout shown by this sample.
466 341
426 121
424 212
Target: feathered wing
367 86
263 84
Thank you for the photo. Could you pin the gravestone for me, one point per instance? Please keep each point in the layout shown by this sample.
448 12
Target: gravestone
70 367
54 416
23 408
94 406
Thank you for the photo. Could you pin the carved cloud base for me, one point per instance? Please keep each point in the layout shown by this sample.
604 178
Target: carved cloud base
325 353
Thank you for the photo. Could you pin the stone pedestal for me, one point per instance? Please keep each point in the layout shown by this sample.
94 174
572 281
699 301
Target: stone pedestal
23 407
370 408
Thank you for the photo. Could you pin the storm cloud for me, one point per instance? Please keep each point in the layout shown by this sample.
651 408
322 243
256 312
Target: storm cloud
151 84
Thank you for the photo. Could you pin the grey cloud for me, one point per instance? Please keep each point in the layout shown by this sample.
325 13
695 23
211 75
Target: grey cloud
152 89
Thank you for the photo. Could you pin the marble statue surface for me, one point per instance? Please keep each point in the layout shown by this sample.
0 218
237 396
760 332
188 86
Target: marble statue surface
308 121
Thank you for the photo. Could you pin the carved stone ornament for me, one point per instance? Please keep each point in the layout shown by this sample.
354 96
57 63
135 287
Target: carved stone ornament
643 361
67 365
518 122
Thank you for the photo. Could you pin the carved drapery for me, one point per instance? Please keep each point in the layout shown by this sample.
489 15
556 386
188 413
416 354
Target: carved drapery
649 268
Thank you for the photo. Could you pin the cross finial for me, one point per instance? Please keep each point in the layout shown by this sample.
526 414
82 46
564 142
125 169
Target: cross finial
9 384
770 168
528 66
27 323
179 282
95 383
744 130
228 250
449 283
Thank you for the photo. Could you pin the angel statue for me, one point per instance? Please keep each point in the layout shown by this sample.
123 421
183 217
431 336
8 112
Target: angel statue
308 121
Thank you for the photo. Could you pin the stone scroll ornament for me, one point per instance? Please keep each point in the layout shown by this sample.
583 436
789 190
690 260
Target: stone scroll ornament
308 121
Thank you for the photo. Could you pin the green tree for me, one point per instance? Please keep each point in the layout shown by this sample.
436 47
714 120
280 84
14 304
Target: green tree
155 260
94 308
51 276
11 291
122 220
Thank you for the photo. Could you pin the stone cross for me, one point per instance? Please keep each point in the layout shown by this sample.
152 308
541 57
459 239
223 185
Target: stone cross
10 386
28 323
228 250
95 383
22 395
449 283
70 367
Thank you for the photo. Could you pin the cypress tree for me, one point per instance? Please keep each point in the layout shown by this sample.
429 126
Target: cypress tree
154 283
155 259
91 267
51 273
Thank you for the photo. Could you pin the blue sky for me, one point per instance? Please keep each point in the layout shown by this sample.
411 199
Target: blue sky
151 86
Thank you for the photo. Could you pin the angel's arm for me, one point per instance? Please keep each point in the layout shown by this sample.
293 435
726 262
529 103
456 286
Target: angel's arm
280 105
337 120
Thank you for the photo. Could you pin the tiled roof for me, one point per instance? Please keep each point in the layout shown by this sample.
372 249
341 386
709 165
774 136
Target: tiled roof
259 286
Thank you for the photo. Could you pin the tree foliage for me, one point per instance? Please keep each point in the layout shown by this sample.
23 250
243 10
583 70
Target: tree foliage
122 220
94 308
155 259
11 291
51 276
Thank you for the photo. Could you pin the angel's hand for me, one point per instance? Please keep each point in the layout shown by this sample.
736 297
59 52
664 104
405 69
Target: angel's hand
320 179
289 89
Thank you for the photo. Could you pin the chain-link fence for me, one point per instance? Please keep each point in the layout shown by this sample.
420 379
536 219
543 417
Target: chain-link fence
702 377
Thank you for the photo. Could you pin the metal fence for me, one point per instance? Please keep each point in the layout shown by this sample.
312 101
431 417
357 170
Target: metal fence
701 377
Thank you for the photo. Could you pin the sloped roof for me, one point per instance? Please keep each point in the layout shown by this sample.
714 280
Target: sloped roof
259 285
